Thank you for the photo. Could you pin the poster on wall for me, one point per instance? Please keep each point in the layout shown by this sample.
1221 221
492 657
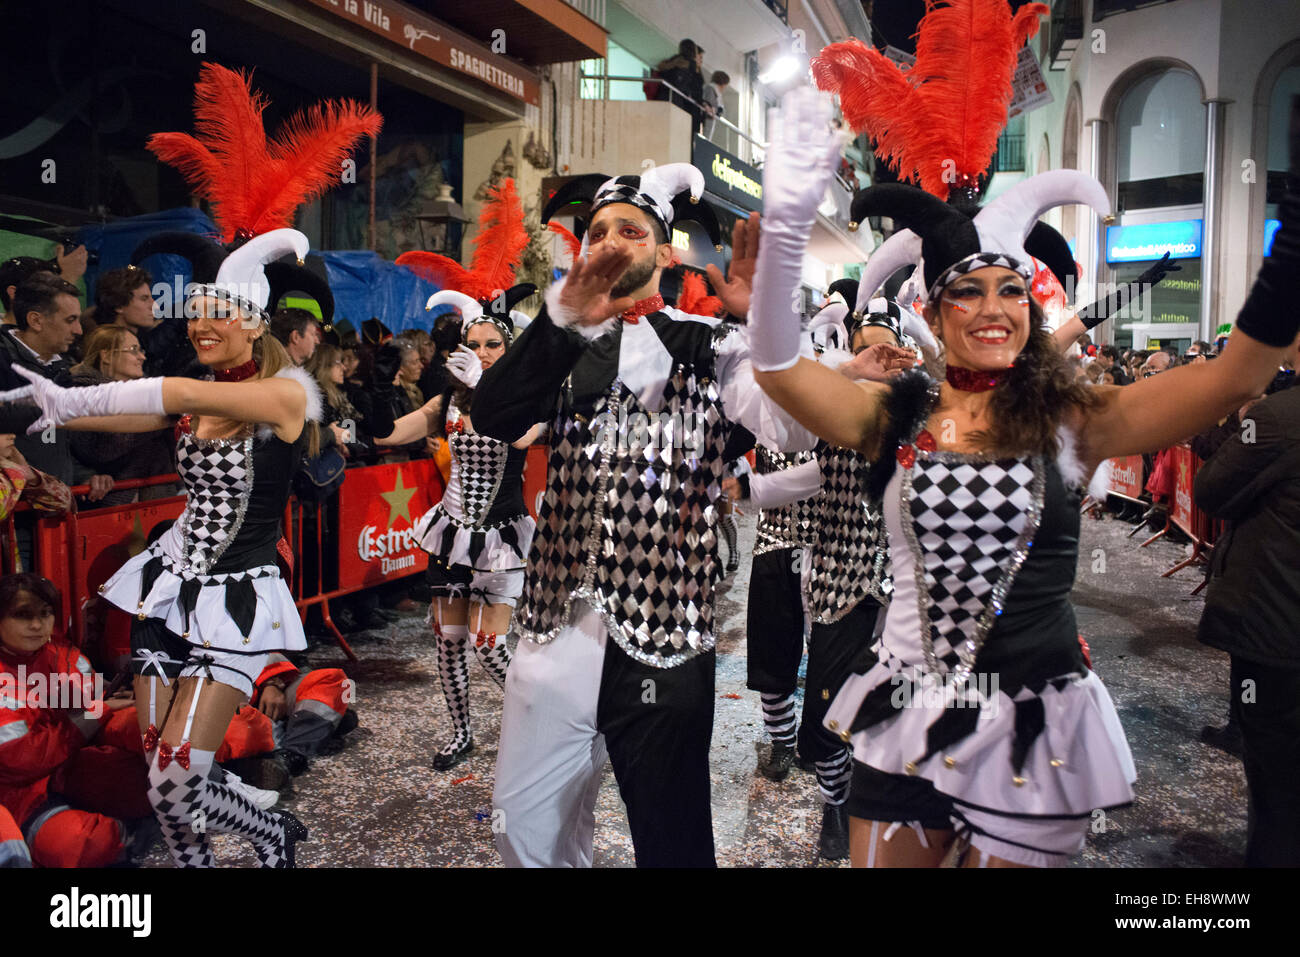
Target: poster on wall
1028 87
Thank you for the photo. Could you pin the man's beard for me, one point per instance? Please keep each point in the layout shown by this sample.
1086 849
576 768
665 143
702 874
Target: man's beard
634 277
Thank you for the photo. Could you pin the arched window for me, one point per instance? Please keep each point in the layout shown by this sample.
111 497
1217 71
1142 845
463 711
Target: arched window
1279 113
1160 142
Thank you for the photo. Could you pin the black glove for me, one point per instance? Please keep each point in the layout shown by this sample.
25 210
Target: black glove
1157 271
388 359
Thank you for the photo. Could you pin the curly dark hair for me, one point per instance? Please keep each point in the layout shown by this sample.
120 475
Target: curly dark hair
114 289
1028 407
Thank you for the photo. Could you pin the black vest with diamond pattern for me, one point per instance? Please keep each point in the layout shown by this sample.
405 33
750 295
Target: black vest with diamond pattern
627 522
786 526
850 553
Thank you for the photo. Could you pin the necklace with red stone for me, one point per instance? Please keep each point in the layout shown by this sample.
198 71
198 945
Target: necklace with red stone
239 373
642 308
973 380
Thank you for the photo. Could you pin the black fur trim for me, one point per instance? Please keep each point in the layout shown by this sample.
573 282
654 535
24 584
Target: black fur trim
906 408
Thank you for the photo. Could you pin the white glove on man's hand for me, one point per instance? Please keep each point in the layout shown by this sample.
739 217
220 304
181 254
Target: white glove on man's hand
801 159
464 364
59 405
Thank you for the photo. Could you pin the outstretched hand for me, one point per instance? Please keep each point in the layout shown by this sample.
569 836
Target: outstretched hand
1158 270
43 393
879 363
465 365
586 294
734 291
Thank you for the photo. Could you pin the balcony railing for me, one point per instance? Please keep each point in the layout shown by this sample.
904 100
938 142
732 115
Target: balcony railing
1010 157
606 78
780 8
1066 32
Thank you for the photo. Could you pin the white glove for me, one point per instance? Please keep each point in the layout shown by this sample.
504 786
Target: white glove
465 366
60 405
802 156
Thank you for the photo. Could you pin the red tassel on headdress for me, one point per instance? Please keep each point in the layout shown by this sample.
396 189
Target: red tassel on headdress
498 248
255 185
571 242
937 122
695 298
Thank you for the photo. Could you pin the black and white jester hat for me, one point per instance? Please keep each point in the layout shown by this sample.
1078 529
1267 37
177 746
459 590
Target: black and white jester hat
290 277
237 277
828 327
669 194
949 243
499 310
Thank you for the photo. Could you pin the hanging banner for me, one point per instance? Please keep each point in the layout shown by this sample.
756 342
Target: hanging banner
1028 87
378 509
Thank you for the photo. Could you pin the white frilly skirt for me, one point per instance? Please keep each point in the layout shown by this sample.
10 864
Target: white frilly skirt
489 548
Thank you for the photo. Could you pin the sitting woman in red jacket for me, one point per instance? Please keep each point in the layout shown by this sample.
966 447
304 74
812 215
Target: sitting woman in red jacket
71 772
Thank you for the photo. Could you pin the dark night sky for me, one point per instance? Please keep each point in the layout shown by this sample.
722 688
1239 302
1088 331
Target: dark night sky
894 21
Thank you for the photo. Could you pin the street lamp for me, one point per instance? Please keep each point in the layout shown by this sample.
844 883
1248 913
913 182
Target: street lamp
434 222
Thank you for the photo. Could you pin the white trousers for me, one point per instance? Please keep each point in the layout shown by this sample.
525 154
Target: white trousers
550 757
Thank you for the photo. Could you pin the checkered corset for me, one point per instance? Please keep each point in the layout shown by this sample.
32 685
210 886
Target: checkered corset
218 476
629 529
787 526
969 521
850 551
478 464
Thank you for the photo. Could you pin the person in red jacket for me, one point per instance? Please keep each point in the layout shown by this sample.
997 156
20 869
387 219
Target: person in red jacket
70 768
308 710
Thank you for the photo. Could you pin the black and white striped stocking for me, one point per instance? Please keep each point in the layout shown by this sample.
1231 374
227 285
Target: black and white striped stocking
833 777
778 718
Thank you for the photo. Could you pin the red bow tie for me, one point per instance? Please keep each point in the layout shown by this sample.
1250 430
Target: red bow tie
182 755
643 308
482 639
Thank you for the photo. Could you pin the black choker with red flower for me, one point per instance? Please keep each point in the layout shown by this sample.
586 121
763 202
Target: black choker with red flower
973 380
237 373
643 308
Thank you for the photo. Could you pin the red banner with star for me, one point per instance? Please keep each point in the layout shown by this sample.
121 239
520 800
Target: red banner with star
378 509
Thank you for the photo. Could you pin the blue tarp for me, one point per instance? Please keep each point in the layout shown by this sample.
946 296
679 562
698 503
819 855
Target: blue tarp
364 284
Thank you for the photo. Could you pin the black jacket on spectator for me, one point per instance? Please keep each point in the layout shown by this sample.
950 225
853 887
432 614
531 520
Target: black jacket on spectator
124 455
1252 605
52 457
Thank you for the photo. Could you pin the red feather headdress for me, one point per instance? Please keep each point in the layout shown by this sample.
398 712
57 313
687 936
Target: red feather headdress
498 248
937 122
571 242
255 185
695 298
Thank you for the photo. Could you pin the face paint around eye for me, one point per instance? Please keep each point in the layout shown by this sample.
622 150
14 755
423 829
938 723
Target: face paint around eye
959 306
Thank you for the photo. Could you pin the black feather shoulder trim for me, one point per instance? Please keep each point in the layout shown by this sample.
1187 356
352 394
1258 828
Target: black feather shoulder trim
906 408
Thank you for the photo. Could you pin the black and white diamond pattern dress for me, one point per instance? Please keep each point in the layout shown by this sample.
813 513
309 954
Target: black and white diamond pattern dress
212 577
984 553
481 522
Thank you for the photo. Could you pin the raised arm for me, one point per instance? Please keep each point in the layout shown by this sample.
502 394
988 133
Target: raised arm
1159 411
800 161
522 387
414 425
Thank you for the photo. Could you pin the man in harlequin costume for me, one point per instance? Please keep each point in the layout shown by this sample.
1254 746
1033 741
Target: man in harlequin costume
617 645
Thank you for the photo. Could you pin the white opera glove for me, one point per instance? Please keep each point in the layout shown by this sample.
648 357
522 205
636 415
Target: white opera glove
464 364
802 157
59 405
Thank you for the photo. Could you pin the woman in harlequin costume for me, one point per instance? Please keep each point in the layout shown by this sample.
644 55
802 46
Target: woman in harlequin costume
978 477
209 602
479 535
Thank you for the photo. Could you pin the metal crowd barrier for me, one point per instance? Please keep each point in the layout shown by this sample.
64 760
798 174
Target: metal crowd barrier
369 539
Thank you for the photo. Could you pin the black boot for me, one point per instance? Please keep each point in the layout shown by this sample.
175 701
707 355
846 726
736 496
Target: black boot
1227 738
778 762
833 845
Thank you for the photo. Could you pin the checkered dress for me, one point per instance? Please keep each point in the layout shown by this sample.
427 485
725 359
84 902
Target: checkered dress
850 553
630 530
970 522
218 476
478 462
786 526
